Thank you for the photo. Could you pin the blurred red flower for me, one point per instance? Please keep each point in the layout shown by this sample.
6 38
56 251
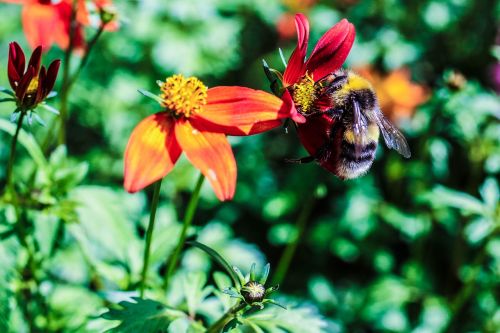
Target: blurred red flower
47 22
33 83
196 120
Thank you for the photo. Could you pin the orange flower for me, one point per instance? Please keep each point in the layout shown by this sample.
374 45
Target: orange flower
398 96
196 121
47 22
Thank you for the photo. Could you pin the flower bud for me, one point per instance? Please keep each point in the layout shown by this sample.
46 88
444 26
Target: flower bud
253 292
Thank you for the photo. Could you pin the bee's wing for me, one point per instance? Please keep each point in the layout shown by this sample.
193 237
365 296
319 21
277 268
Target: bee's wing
358 129
393 138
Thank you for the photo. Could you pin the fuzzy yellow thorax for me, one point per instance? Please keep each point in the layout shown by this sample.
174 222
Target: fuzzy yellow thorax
354 83
183 96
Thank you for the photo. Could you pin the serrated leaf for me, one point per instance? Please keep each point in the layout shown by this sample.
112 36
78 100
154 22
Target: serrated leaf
233 323
142 315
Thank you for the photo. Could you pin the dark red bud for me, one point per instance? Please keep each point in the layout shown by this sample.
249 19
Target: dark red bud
35 59
16 55
49 82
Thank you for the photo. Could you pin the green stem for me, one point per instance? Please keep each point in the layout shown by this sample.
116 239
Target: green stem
149 237
289 252
188 219
85 59
13 145
66 77
219 324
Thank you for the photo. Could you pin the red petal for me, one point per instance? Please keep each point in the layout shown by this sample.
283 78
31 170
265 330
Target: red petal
40 23
151 152
16 55
296 68
331 50
51 76
242 111
315 134
212 154
15 66
35 59
294 114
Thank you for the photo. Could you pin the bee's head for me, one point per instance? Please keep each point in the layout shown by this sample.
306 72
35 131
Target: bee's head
346 86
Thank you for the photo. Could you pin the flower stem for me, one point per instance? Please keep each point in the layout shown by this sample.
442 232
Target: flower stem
13 145
188 219
149 237
289 252
219 324
66 76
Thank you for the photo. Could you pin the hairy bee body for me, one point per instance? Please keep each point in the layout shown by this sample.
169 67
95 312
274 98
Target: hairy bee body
342 129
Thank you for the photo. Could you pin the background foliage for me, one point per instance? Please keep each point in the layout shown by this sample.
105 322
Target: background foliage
412 246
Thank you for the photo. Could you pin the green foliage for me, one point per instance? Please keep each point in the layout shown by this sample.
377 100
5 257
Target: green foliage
142 316
413 246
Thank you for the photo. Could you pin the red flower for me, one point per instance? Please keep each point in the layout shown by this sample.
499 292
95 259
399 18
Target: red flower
32 84
327 56
47 22
196 121
301 76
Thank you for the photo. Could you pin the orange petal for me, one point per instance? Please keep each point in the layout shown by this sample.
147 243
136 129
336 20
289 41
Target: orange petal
151 152
40 24
242 111
212 154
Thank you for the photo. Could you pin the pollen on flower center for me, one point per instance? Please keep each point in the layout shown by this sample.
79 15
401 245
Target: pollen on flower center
182 96
33 86
304 93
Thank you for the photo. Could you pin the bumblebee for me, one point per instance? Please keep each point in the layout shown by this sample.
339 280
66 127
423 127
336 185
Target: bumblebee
344 122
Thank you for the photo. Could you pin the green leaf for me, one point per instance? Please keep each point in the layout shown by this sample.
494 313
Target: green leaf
28 142
195 291
49 108
293 320
233 323
151 95
444 197
241 278
142 316
7 91
7 100
252 272
265 274
220 260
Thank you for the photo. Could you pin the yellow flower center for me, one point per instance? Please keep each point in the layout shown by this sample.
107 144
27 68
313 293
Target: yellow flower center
182 96
304 93
33 86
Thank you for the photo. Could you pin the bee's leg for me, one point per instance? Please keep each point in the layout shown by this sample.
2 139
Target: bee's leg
307 159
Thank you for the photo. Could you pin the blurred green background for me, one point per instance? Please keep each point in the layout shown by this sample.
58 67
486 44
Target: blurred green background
412 246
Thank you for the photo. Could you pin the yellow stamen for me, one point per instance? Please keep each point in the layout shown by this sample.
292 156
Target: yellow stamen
183 96
33 86
304 93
